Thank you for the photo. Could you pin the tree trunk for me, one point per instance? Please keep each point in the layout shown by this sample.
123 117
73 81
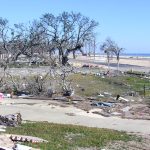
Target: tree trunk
108 62
118 65
74 55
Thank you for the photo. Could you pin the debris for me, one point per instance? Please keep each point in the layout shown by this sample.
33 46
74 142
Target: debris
107 94
1 96
11 120
23 147
123 99
85 66
126 109
68 93
5 148
61 98
20 93
22 138
102 113
7 95
24 96
2 130
105 104
70 114
132 93
77 98
91 98
5 142
116 114
49 92
100 95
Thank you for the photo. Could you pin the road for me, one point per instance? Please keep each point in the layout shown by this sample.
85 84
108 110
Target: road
42 110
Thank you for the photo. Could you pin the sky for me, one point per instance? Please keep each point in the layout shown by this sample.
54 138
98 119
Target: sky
127 22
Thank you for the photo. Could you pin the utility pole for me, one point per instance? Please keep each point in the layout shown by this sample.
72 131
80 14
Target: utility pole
94 48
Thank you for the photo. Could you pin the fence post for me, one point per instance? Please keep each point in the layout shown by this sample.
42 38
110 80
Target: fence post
144 90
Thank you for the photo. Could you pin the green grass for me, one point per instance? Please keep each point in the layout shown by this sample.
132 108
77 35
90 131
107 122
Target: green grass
135 83
93 85
67 137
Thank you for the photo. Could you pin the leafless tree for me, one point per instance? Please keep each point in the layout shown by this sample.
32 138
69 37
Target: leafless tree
4 50
61 75
18 40
68 32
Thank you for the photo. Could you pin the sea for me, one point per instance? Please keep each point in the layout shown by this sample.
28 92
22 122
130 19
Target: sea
135 54
129 55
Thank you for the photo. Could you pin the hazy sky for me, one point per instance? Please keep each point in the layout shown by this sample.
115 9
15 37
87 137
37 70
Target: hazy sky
125 21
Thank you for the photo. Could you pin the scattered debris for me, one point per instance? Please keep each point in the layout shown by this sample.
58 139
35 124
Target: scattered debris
123 99
5 142
22 138
50 92
70 114
11 120
2 129
1 96
100 95
126 109
85 66
102 113
61 98
106 94
7 95
116 114
102 104
22 147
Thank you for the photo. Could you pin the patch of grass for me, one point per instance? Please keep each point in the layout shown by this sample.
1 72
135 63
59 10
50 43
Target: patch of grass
91 85
67 137
136 84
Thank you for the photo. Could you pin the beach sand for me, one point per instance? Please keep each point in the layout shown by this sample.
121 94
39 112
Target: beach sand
126 63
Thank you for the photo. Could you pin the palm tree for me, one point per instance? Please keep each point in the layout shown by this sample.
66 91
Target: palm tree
109 47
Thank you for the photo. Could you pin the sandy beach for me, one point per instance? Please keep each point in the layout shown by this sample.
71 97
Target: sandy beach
46 110
126 63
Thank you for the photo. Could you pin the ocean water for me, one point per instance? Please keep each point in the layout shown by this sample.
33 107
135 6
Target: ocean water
144 55
136 54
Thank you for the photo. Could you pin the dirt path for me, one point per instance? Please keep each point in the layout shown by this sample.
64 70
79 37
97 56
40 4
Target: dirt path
40 110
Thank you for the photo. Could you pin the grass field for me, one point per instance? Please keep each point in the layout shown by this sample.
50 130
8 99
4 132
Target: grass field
90 85
69 137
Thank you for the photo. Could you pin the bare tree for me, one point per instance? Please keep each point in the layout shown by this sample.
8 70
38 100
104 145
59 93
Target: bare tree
68 32
18 40
4 30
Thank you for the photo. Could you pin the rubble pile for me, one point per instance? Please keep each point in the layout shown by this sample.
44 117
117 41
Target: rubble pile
138 112
12 120
10 142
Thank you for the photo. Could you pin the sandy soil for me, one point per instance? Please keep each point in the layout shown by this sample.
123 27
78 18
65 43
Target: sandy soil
126 63
42 110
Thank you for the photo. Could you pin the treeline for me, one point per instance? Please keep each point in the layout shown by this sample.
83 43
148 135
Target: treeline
56 35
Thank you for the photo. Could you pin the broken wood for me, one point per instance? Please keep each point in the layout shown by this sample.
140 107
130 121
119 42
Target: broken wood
22 138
